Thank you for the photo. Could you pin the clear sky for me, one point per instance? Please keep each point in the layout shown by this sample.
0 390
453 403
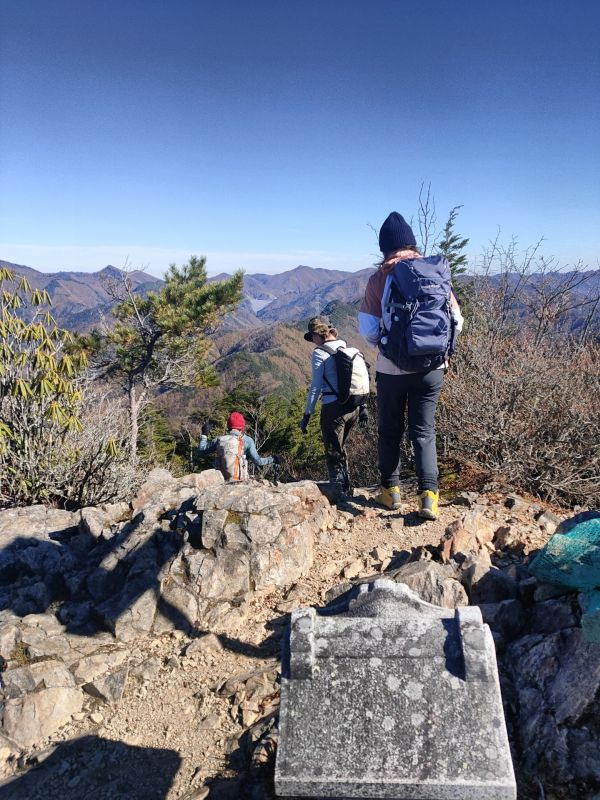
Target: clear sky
266 134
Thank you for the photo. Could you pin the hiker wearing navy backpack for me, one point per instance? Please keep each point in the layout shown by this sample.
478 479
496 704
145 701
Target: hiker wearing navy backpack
410 312
233 449
340 379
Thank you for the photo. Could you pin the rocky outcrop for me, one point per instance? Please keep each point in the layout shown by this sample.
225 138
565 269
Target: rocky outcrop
435 583
31 718
110 606
550 673
552 687
81 588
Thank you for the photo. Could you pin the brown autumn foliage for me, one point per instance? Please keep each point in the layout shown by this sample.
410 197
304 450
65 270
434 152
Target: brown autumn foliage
522 398
521 401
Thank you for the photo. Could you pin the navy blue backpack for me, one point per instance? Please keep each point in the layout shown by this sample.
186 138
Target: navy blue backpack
419 331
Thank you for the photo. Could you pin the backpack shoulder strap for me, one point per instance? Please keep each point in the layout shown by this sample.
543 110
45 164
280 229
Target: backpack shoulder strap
399 266
237 474
330 351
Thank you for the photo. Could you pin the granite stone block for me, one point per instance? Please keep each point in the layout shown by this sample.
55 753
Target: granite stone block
387 696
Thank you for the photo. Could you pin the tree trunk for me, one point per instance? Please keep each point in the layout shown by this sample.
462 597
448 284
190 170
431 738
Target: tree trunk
135 404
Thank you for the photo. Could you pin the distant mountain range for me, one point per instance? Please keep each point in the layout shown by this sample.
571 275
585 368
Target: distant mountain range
294 295
261 341
81 299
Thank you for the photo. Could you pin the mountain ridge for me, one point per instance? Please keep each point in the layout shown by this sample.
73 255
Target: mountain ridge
260 343
81 299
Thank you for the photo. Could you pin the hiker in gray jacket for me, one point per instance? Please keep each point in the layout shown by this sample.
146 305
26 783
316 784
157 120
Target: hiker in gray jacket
336 420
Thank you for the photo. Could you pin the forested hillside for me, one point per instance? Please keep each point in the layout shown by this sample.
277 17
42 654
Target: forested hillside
521 397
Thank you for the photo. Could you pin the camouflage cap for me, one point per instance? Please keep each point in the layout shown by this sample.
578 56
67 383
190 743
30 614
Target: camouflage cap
319 325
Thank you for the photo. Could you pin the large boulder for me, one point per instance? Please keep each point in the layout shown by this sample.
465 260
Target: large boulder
266 530
161 490
186 558
155 576
33 556
556 686
35 522
30 718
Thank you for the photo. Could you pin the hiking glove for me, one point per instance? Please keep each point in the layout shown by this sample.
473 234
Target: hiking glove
458 318
276 460
303 424
207 428
363 417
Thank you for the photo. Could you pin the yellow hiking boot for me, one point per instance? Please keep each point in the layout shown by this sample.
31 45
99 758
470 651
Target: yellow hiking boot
389 497
428 504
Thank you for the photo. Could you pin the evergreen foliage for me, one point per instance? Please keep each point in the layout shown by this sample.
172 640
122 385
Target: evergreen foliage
40 398
272 421
452 245
160 340
156 442
58 442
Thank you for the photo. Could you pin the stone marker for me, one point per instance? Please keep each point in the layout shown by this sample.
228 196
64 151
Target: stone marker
392 697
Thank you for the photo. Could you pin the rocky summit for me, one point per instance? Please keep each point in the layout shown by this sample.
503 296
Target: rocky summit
141 642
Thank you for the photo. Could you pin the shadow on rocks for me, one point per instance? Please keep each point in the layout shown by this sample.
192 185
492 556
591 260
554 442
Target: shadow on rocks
97 769
65 572
253 759
270 646
89 585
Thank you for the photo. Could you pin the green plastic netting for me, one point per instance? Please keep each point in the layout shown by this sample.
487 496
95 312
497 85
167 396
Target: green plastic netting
572 556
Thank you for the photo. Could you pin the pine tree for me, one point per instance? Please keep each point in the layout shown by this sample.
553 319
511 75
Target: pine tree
156 443
272 421
161 340
452 246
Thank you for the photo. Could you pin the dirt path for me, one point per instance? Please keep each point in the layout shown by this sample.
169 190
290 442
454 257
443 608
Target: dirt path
187 705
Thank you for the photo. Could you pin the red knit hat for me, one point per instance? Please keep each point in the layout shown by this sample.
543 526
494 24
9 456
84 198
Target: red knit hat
236 421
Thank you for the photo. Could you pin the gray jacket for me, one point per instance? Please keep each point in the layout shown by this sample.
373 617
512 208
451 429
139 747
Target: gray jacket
323 366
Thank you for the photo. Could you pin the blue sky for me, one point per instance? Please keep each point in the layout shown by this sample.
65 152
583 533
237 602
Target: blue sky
268 134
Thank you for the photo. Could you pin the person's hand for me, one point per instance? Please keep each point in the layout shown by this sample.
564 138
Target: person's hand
363 417
207 428
458 318
276 460
303 424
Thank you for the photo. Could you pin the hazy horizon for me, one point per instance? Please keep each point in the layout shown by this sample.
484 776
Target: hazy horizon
476 269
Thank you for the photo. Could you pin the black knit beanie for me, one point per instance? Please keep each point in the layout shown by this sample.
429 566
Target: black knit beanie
395 234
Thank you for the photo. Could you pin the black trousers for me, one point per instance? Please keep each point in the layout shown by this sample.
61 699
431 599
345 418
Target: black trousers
419 391
336 424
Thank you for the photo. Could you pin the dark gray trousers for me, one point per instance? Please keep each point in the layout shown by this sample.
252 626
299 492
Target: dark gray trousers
336 424
419 391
